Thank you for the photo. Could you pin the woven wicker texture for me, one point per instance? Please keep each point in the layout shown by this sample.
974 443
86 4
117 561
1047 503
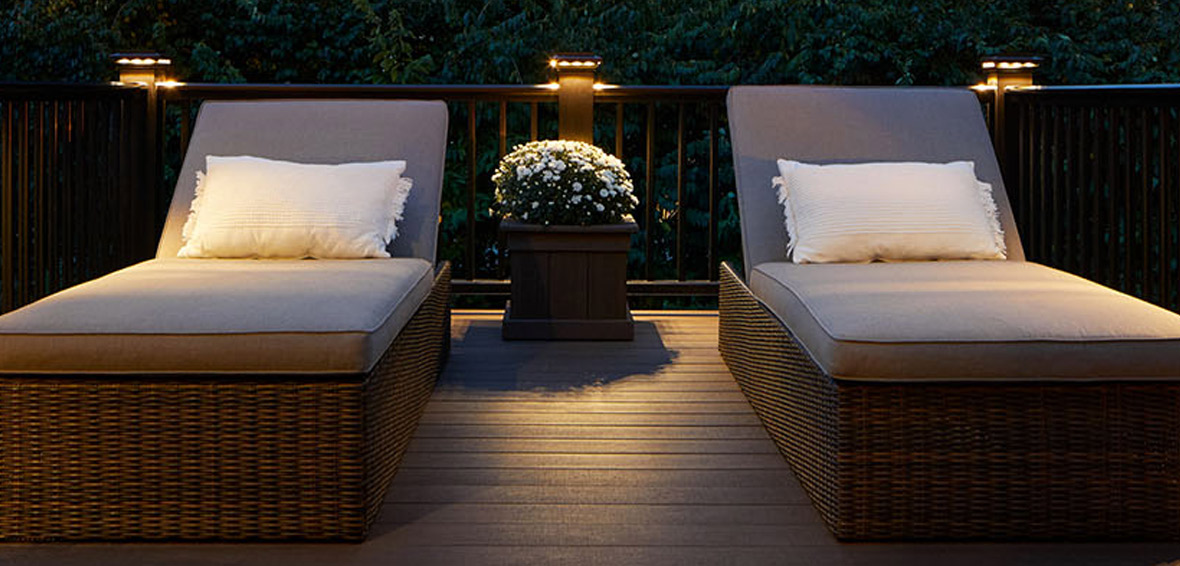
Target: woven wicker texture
960 461
158 457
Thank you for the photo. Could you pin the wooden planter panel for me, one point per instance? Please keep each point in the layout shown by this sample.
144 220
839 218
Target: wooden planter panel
568 282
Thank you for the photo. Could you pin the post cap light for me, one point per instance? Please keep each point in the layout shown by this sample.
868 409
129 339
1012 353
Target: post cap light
1010 63
143 60
575 62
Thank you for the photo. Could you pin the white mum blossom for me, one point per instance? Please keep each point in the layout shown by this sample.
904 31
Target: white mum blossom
569 176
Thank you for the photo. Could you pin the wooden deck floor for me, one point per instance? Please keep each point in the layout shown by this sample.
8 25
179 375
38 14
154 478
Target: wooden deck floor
592 453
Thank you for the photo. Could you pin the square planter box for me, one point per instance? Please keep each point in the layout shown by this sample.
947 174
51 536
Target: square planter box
568 282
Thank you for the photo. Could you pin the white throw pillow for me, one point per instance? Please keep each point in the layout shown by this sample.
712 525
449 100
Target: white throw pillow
899 211
254 207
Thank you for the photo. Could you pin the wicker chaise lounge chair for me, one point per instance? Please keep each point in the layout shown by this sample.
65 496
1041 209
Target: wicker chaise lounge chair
955 399
201 399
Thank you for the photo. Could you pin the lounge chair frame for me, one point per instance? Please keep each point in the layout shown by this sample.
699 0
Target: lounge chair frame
221 457
996 460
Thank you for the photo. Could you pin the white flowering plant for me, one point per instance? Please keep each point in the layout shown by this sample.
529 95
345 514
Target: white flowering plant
563 182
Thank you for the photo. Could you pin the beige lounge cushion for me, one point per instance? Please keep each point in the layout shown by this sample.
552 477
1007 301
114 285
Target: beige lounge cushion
968 320
193 316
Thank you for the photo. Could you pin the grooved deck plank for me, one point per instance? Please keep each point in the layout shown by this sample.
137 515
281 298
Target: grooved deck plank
590 446
591 432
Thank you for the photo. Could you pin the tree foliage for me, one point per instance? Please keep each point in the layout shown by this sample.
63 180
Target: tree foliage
642 42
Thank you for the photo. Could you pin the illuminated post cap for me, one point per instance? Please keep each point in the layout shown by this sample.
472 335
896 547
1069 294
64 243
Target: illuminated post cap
140 60
564 62
1010 63
141 67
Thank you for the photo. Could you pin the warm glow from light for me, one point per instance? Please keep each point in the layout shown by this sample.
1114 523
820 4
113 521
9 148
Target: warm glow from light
604 86
989 64
169 84
983 87
550 86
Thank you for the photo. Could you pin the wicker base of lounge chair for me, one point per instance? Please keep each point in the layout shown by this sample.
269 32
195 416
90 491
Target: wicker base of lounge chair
218 458
1002 460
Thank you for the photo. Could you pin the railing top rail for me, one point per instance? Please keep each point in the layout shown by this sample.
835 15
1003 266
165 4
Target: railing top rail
624 93
1105 94
62 90
1134 87
524 93
181 91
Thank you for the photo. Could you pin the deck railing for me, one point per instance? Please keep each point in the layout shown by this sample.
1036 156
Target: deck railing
1094 176
72 186
1093 173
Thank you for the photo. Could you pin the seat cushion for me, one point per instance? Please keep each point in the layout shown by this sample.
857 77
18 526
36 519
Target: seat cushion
190 316
968 320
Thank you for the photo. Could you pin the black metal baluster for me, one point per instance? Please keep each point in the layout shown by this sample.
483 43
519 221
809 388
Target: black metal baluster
127 184
501 241
1020 193
1043 229
7 301
471 174
533 121
648 219
1144 200
186 118
1068 167
22 196
1081 194
42 199
1055 246
1096 228
53 214
619 130
714 261
1128 230
69 200
1163 260
680 213
1112 165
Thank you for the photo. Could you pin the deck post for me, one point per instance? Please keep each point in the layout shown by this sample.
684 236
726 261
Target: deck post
575 94
1006 72
147 70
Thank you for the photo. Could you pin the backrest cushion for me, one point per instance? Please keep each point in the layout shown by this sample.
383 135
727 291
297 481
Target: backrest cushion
326 131
849 125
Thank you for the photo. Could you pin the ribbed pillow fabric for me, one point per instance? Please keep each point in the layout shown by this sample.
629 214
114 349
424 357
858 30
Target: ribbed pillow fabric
890 211
263 208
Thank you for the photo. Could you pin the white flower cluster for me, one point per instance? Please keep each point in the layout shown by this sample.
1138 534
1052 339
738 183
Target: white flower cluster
563 182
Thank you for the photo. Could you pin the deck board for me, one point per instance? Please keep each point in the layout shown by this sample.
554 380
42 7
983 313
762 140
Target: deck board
639 452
